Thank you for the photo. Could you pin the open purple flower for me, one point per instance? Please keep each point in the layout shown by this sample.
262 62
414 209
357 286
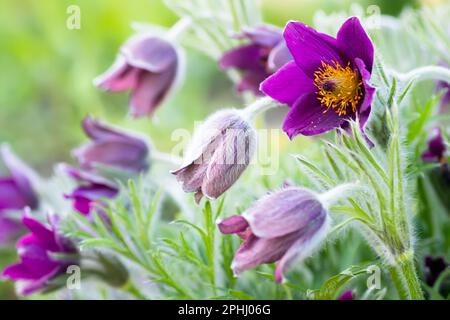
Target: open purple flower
328 82
147 65
280 227
91 191
38 264
220 151
16 190
436 148
111 147
265 53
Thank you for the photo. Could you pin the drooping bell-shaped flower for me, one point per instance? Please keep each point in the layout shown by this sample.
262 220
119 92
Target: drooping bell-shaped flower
112 147
147 65
328 82
281 227
16 189
264 54
38 251
91 191
220 150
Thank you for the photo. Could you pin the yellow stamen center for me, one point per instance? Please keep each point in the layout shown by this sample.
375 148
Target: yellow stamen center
338 88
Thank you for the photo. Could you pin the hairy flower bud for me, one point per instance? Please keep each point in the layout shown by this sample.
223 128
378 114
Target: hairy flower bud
220 151
280 227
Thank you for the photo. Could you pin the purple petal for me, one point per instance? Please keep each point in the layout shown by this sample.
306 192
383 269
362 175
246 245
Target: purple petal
22 175
347 295
43 234
354 42
309 117
150 91
256 251
288 84
264 36
191 176
152 54
283 212
11 196
306 242
246 57
369 93
233 224
120 77
251 81
310 48
9 230
278 57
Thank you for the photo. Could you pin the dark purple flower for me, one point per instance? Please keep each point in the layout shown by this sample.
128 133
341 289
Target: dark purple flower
265 53
37 250
91 190
328 81
16 190
280 227
444 105
347 295
436 148
434 266
147 66
220 150
111 147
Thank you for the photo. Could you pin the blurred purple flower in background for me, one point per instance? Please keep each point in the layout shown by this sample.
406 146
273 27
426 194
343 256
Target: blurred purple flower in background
91 190
434 266
16 190
265 53
347 295
328 81
147 66
220 151
112 147
436 148
16 193
280 227
38 264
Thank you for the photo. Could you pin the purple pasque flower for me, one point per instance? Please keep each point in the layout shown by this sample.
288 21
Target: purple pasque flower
280 227
220 150
147 66
264 53
16 190
436 148
111 147
91 190
328 82
37 251
347 295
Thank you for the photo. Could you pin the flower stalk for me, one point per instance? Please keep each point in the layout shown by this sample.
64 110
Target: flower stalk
424 73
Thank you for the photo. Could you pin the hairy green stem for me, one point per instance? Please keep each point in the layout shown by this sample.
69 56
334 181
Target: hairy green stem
405 278
425 73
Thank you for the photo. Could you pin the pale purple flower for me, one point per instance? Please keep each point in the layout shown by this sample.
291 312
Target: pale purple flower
281 227
111 147
38 264
147 66
264 54
328 82
220 151
91 191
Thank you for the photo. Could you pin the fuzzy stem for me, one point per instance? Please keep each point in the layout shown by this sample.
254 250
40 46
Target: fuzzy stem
179 28
166 157
259 106
339 192
425 73
405 278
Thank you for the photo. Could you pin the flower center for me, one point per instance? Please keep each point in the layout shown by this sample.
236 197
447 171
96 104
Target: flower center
338 88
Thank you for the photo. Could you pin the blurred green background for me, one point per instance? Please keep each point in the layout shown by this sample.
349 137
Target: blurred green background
47 71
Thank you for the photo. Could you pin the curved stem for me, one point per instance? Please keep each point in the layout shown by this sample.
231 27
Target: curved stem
405 279
179 28
259 106
425 73
166 157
